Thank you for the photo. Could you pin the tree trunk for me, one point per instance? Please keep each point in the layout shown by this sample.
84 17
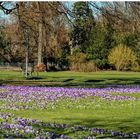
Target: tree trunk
26 67
40 35
40 39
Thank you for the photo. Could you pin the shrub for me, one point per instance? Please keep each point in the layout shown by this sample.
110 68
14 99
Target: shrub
40 67
77 58
84 67
135 67
123 58
79 62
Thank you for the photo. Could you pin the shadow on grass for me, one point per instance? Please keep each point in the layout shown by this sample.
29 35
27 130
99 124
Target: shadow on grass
124 125
67 80
34 78
1 83
94 80
128 125
71 82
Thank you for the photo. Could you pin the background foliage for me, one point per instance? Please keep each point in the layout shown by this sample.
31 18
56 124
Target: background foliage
79 36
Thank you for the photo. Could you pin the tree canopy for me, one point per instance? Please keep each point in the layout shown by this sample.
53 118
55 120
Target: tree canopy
61 30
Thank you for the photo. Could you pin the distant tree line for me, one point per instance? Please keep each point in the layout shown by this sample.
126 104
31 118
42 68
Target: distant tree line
87 36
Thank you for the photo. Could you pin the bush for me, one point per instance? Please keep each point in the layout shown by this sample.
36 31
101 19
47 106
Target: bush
77 58
83 67
40 67
123 58
79 62
135 67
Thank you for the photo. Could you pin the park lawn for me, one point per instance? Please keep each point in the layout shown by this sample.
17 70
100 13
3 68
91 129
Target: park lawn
137 95
90 112
75 79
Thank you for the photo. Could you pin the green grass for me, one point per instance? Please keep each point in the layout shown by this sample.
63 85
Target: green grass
75 79
137 95
90 112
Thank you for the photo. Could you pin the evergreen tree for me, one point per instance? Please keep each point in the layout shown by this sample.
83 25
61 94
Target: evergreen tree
83 23
132 40
101 42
